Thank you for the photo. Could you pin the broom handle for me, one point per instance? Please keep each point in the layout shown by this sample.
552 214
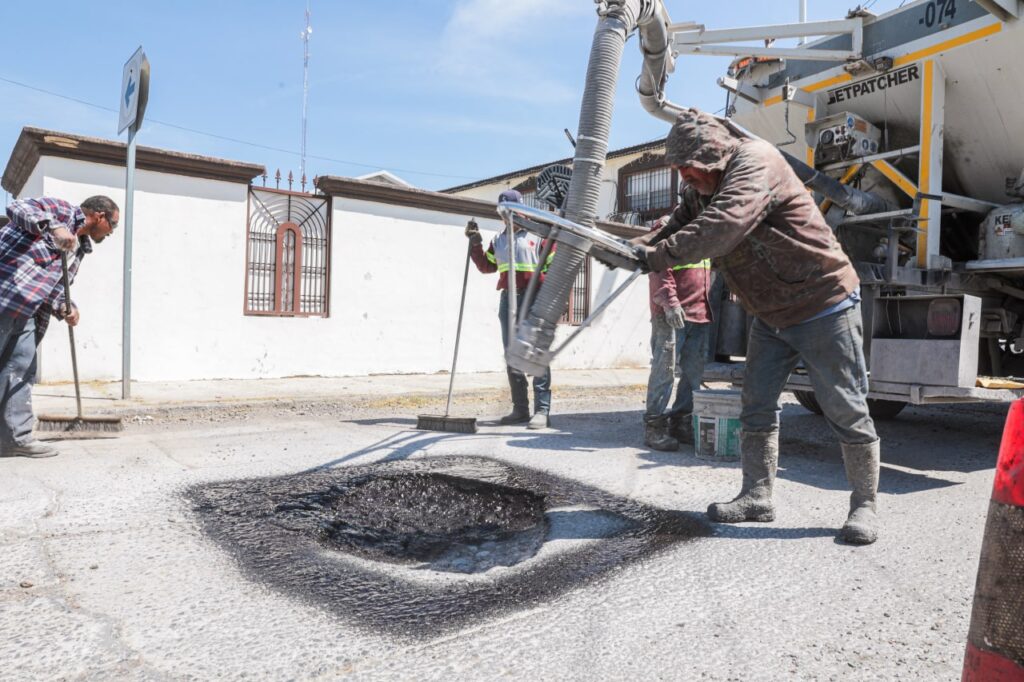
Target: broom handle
71 330
458 329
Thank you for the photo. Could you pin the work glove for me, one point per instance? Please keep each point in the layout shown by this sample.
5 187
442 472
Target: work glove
640 253
674 317
473 232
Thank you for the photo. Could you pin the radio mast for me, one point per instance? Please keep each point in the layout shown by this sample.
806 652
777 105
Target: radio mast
305 90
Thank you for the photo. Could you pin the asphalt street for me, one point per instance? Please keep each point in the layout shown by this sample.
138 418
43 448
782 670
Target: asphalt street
108 570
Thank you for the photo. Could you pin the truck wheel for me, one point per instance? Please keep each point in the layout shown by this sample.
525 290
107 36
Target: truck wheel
807 399
879 409
885 409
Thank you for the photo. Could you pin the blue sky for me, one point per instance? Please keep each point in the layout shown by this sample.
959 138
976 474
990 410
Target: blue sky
439 92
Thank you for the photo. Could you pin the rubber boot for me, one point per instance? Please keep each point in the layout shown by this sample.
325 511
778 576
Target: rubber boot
656 435
680 427
519 386
861 461
759 456
540 420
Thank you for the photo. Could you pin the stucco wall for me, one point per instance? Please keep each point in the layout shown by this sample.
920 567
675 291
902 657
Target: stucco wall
394 299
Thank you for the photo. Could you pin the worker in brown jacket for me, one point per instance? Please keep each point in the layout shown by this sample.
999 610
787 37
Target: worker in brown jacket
746 209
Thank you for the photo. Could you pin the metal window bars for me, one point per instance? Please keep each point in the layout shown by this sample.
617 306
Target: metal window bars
288 254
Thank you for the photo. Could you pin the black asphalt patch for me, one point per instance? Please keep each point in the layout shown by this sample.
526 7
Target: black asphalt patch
418 548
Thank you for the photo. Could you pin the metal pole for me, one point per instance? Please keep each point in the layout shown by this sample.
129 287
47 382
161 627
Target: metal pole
513 302
305 91
803 20
126 316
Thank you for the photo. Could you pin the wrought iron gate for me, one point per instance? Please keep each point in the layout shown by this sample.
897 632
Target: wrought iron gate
288 253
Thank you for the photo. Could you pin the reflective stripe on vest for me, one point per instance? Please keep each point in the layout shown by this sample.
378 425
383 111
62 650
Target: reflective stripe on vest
703 265
520 267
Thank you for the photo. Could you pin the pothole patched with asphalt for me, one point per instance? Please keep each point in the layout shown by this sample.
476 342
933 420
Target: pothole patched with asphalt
420 547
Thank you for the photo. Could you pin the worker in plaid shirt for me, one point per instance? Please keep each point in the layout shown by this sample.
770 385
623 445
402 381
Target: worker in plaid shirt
31 289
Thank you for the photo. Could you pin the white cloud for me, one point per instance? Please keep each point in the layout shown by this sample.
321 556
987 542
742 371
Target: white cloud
498 48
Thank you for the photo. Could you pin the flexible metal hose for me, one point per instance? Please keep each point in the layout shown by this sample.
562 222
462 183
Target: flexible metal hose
529 351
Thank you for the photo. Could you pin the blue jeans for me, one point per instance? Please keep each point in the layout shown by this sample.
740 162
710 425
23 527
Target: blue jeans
17 375
832 350
517 381
687 346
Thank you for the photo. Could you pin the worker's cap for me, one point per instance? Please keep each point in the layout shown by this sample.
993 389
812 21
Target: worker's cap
698 140
510 195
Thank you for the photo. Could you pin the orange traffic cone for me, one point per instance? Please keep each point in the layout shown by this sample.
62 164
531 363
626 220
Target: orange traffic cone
995 642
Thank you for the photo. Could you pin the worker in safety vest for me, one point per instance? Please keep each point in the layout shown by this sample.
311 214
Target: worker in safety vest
680 324
526 266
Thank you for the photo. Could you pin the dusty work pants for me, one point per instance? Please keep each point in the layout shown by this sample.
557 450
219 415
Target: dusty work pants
689 348
517 381
832 350
17 375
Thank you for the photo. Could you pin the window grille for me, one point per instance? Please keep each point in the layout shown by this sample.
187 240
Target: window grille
530 199
579 299
647 188
528 188
288 254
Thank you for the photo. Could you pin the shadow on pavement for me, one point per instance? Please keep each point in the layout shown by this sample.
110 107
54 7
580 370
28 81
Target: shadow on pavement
383 421
759 531
915 445
399 446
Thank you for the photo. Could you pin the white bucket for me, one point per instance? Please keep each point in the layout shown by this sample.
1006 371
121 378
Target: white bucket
716 425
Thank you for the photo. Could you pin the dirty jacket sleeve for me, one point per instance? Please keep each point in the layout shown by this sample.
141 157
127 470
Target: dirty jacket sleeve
745 196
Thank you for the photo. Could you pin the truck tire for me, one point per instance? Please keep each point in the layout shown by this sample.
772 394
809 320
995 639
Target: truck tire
885 409
879 409
808 401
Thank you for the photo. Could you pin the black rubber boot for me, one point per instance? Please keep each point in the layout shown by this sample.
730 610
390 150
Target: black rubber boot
519 386
518 415
680 427
656 435
861 462
759 456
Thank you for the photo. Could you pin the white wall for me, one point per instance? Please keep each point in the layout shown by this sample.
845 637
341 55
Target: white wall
396 277
399 295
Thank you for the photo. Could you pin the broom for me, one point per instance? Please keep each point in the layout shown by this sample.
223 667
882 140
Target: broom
443 422
79 422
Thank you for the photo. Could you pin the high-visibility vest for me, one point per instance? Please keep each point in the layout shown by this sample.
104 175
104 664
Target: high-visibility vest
703 265
527 252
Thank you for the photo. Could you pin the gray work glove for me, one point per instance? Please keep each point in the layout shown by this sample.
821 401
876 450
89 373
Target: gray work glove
473 232
674 317
640 253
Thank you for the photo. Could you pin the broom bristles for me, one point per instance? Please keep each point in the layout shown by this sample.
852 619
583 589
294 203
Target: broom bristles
429 422
72 424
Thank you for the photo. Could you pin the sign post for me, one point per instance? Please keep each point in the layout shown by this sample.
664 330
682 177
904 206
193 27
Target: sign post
134 96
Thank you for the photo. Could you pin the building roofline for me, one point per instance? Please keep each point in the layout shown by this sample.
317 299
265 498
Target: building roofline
35 143
411 197
625 151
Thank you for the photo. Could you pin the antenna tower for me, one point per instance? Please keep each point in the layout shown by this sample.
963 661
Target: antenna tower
305 89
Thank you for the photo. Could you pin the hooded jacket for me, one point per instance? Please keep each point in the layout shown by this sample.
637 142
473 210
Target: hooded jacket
761 227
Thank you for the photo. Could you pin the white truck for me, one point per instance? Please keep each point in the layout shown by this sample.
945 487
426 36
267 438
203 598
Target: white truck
921 106
909 126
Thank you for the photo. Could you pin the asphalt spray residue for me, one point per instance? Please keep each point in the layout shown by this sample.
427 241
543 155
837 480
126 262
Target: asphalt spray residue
418 548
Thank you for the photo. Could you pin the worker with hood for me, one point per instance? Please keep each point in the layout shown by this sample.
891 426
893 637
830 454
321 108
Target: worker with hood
745 208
